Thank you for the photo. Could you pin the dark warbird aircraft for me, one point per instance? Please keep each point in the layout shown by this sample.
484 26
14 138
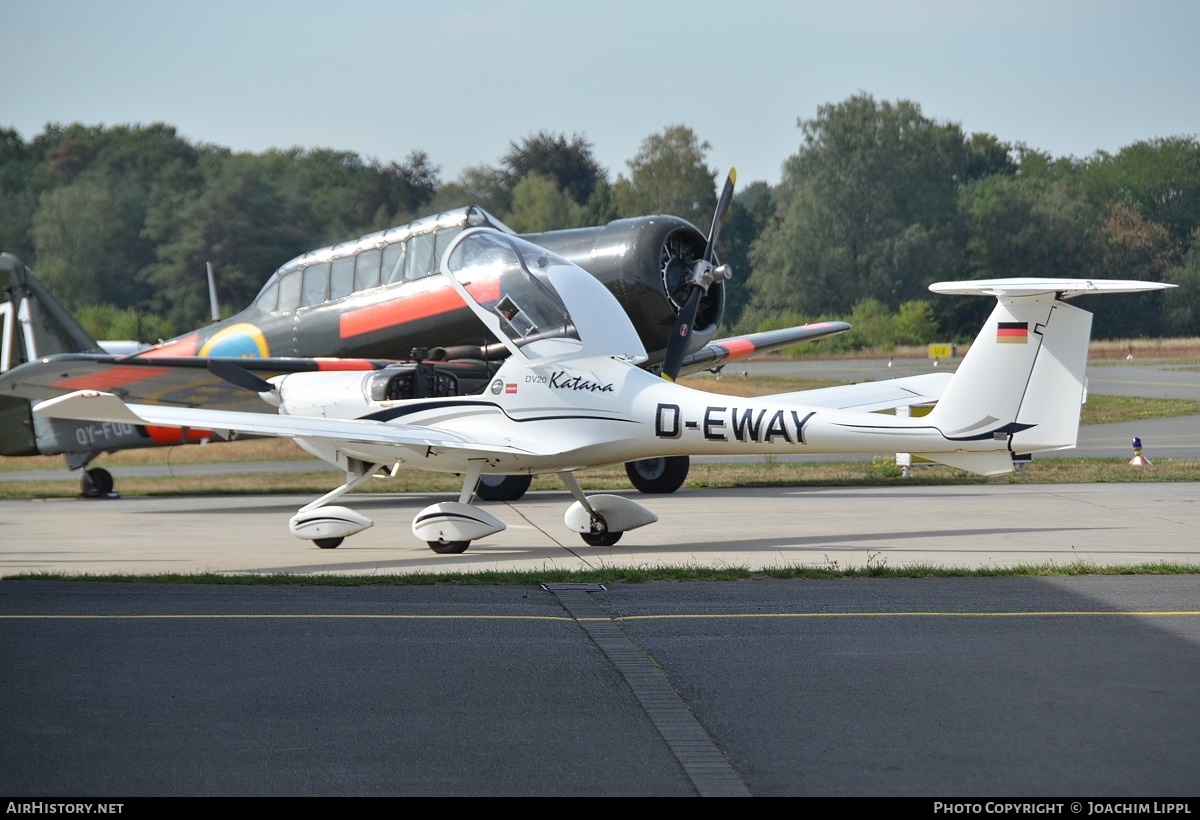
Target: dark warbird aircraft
367 304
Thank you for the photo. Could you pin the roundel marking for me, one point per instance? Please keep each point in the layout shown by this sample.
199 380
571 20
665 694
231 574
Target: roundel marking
242 340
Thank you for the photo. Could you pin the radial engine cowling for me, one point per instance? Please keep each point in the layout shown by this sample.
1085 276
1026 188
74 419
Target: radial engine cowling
644 261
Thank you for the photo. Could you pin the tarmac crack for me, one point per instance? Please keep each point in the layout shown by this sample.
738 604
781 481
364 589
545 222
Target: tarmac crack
1114 508
573 552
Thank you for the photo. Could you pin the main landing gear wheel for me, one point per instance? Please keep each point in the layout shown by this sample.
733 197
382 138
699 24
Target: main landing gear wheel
658 475
449 547
601 535
502 487
95 483
328 543
600 539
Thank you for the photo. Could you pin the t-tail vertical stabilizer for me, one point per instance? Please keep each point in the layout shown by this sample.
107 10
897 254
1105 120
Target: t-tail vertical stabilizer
32 324
1023 380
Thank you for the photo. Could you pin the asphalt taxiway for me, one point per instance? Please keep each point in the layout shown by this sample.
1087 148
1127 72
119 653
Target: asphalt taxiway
1047 690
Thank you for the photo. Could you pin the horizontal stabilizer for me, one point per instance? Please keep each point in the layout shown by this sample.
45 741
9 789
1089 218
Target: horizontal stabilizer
1054 288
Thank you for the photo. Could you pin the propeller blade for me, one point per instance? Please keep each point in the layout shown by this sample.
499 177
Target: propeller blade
678 343
723 203
239 376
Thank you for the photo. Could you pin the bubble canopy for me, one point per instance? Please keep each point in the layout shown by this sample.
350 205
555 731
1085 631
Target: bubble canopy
535 302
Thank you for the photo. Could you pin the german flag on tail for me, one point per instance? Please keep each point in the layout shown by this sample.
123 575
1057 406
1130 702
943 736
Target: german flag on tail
1013 333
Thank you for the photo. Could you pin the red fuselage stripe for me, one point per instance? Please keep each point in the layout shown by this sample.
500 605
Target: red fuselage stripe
406 308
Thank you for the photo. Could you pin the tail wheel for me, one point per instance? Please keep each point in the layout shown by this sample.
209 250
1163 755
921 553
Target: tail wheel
658 475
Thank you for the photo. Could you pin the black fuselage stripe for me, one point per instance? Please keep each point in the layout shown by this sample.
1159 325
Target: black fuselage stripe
1007 429
399 412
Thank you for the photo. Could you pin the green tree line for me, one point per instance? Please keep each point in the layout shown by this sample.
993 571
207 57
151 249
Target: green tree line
878 202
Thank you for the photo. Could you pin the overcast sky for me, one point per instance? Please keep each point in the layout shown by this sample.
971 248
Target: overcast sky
459 80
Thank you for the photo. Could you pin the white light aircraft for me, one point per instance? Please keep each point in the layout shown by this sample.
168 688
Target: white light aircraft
571 396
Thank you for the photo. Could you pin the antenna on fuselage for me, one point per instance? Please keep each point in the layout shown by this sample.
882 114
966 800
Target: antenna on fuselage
212 294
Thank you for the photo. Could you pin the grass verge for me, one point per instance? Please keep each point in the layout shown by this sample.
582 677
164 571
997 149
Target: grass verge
622 575
768 472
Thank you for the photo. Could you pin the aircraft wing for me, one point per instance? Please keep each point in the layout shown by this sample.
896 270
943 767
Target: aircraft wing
722 351
184 381
93 405
870 397
178 381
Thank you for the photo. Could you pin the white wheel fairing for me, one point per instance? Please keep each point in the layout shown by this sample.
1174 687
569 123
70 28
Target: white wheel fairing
328 522
620 514
450 521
